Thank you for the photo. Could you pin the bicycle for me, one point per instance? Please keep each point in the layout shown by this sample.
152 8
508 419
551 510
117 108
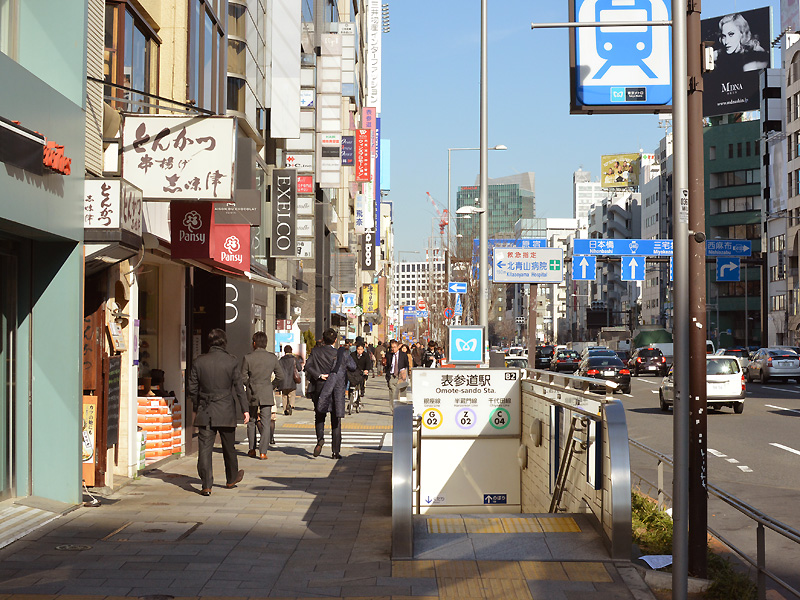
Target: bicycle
353 400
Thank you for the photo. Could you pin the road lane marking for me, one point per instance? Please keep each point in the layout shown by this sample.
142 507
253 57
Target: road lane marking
653 382
746 469
733 461
766 387
782 447
628 395
653 391
781 408
717 453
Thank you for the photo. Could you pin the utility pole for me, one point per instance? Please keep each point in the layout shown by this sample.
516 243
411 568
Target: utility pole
698 409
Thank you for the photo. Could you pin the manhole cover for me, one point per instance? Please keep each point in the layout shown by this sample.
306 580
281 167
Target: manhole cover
159 531
72 547
154 530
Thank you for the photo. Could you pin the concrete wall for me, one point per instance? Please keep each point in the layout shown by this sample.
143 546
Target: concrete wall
539 478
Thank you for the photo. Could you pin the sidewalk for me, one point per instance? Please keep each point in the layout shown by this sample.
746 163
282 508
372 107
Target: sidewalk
298 527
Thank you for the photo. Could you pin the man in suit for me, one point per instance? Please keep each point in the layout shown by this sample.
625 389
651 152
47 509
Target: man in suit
318 366
258 369
216 392
396 372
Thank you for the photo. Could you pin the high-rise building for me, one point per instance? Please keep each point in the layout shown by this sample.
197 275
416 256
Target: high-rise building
585 194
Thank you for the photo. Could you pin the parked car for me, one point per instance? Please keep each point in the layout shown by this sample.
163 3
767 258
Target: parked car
774 363
610 368
543 356
648 360
519 361
725 385
516 351
565 360
741 354
624 355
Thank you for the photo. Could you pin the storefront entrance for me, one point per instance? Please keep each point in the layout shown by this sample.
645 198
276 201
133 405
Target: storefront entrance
8 327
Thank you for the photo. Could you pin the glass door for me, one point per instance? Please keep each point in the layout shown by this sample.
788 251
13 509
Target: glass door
8 328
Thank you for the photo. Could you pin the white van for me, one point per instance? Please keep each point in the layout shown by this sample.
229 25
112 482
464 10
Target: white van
710 349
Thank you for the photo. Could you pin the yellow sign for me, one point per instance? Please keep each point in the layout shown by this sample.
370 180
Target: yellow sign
620 170
369 298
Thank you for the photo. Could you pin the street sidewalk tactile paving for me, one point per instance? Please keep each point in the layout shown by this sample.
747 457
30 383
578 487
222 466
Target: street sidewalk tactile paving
297 527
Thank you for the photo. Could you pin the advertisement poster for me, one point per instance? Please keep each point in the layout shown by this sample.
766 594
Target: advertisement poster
369 297
88 438
620 170
741 45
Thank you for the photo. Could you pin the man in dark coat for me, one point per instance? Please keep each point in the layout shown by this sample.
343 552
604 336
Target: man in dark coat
258 370
331 400
417 353
290 367
318 366
217 394
396 372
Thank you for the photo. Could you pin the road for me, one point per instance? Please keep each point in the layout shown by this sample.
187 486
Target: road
754 456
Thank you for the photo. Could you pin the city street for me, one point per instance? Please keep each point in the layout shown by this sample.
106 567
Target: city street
754 456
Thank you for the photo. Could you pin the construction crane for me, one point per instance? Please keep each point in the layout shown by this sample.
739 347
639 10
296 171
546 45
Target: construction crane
444 215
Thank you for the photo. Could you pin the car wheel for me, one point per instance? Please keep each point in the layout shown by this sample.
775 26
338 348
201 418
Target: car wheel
738 407
749 376
661 402
763 377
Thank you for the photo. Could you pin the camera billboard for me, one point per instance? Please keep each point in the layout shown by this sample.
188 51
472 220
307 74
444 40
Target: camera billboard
620 69
741 47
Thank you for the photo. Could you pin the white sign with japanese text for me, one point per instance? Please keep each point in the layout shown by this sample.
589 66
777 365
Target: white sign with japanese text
179 158
528 265
112 204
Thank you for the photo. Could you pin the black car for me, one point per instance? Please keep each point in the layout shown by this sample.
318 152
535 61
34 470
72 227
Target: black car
565 360
544 354
609 368
648 360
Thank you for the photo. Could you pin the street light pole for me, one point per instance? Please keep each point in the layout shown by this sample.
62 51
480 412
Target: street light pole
483 293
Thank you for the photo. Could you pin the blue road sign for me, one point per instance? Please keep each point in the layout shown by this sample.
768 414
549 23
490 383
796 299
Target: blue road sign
584 268
457 287
729 248
671 267
349 301
423 314
600 247
459 308
466 344
633 268
510 243
449 313
728 268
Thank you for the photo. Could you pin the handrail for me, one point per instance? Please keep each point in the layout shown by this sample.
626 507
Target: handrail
402 484
748 511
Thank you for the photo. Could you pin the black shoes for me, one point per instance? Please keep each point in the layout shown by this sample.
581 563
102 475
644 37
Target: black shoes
336 456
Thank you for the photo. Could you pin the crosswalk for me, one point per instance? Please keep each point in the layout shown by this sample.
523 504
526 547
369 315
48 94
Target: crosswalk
367 440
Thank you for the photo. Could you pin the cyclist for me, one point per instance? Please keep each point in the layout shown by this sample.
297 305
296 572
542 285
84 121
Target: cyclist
358 378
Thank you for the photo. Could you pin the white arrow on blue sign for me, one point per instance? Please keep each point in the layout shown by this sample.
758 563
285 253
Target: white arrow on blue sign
584 268
457 287
459 308
728 268
632 268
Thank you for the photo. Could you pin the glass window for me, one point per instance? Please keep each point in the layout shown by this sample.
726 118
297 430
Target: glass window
9 11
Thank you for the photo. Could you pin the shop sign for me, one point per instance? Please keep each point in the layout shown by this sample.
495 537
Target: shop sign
305 248
368 251
244 210
305 184
190 228
305 228
363 155
304 163
284 213
112 204
230 245
369 297
305 206
183 158
330 144
348 150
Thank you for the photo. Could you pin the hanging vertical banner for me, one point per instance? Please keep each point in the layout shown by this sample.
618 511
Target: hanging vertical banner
363 155
377 140
368 252
360 216
283 241
348 150
374 29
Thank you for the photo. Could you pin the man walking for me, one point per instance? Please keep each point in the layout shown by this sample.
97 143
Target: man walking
396 372
318 366
216 392
290 375
258 369
417 354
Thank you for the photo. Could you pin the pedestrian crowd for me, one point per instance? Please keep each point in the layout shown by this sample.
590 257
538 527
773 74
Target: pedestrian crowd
222 387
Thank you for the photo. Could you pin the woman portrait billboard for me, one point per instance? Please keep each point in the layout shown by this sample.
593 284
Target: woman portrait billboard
740 45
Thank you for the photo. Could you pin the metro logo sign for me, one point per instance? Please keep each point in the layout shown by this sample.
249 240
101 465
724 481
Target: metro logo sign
363 155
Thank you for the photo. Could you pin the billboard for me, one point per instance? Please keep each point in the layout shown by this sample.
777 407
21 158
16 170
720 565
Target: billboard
741 43
620 69
620 170
369 297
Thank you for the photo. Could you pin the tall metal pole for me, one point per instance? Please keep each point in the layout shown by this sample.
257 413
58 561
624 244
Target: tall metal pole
483 288
449 232
698 409
680 220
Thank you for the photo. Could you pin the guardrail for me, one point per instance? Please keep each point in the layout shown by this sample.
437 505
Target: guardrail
762 521
607 495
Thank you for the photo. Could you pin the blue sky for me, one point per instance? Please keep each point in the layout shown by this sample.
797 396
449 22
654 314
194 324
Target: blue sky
430 102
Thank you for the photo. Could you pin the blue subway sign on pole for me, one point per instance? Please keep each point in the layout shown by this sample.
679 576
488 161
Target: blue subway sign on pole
584 268
465 344
457 287
728 268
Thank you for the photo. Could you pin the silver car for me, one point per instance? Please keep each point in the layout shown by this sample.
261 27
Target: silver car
725 385
774 363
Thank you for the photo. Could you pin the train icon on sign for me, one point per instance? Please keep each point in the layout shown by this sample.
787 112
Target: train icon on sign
624 46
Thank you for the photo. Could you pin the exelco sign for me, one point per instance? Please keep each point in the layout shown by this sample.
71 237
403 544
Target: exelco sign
368 251
283 239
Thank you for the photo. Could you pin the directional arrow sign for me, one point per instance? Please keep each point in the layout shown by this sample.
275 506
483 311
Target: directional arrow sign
728 269
584 268
633 268
457 287
459 309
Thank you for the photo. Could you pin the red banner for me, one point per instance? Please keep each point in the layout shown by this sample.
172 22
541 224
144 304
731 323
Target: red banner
305 184
230 245
196 235
363 155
